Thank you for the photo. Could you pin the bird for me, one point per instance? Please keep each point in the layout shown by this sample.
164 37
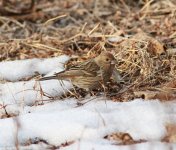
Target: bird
89 74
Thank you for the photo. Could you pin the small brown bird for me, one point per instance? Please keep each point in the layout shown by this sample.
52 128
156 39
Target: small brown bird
89 74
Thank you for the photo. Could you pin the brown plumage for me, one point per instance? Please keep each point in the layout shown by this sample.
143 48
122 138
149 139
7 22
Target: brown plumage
89 74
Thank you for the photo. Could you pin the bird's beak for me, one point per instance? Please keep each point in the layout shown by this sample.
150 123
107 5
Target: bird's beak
114 62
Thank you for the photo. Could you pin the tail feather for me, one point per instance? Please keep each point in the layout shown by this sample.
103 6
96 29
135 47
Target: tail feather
55 76
48 78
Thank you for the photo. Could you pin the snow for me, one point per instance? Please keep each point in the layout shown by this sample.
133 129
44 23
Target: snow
85 145
18 69
92 121
59 121
116 39
29 92
16 95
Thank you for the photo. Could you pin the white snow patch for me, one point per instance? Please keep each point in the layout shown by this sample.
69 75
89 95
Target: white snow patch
59 121
18 69
28 93
90 145
92 121
16 95
116 39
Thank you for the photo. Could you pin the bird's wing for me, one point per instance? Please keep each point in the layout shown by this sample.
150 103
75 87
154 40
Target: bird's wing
69 74
86 69
89 66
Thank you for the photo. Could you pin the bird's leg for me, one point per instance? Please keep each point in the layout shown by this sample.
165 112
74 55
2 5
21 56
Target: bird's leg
92 93
105 89
82 94
79 101
76 94
89 93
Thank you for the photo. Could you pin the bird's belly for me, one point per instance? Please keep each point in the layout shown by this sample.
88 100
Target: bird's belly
87 83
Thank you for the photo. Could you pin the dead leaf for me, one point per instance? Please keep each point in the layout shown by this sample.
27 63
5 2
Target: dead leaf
171 134
154 46
121 138
160 95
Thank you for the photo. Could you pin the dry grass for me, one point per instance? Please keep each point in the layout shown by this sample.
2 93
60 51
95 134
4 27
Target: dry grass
84 28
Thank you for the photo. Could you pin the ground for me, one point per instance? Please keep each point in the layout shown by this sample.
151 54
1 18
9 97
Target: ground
43 37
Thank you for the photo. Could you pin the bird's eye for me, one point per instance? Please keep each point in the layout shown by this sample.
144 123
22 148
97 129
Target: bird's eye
107 59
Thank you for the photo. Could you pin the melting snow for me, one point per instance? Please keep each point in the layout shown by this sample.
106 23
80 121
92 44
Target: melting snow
59 121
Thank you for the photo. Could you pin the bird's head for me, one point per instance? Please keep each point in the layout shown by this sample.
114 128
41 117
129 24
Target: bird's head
105 59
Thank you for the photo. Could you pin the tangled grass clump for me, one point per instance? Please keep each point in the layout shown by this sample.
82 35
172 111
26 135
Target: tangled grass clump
143 61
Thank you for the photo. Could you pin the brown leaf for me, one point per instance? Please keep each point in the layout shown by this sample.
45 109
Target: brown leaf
121 138
154 46
171 134
161 95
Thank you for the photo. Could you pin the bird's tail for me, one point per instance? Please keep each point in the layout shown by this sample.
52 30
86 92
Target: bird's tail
48 78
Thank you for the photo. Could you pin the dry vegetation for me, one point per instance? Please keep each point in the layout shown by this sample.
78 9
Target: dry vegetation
140 33
84 28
